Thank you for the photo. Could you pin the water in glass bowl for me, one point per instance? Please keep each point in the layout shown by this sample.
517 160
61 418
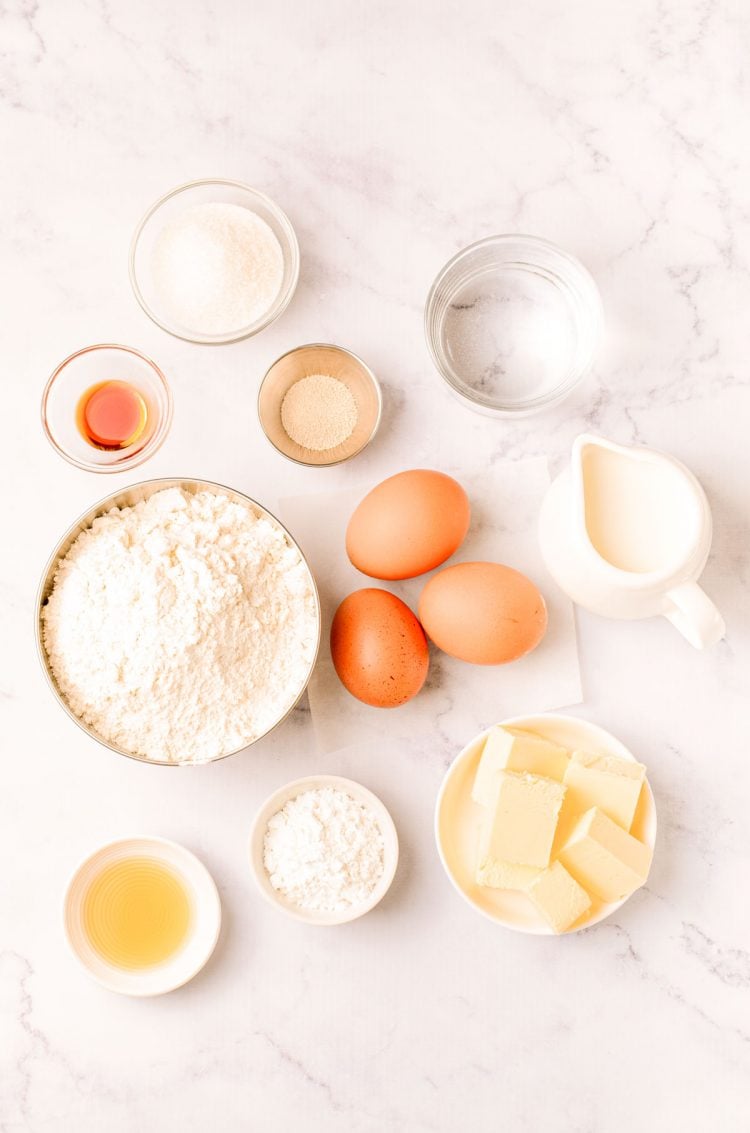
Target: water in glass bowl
512 334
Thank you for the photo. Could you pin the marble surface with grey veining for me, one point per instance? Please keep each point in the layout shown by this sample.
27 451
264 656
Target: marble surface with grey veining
393 135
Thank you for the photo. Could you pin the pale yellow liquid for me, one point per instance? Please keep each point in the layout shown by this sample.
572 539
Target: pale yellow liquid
136 913
640 515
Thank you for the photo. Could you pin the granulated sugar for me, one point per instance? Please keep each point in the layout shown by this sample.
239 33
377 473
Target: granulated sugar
218 268
182 628
319 412
324 851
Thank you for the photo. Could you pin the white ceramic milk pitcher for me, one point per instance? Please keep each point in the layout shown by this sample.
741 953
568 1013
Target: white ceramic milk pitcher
626 532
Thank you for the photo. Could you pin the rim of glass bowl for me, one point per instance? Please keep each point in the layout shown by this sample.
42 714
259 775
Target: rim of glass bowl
153 444
143 489
589 296
290 252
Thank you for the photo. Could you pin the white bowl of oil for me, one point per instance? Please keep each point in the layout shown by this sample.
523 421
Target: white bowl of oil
142 915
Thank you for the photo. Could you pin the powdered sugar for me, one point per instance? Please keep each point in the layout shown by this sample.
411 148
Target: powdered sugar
218 268
324 851
182 628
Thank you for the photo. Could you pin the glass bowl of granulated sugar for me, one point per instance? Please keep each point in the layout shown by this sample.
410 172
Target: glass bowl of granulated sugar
214 261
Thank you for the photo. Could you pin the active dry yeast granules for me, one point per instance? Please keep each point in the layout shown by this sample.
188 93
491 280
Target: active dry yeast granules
319 412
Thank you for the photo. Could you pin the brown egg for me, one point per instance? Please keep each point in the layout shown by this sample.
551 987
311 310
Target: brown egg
378 648
407 525
485 613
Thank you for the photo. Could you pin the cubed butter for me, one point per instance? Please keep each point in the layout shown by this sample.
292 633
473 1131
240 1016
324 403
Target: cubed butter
558 897
521 826
605 781
604 858
511 749
505 875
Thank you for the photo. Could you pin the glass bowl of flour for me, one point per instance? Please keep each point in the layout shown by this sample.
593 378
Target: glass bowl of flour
178 622
214 261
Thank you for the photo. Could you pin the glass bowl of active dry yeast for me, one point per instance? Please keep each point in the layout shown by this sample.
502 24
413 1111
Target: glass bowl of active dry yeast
319 405
106 408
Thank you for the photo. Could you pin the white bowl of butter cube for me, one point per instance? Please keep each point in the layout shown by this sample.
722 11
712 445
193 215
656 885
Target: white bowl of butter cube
546 824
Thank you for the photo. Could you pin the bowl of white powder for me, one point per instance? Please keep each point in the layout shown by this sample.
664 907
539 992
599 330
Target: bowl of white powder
214 261
323 850
178 622
319 405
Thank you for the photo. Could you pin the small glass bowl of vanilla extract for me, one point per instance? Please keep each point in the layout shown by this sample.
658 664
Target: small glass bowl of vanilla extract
106 408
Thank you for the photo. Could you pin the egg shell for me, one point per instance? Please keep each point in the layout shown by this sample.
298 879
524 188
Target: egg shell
378 648
409 524
485 613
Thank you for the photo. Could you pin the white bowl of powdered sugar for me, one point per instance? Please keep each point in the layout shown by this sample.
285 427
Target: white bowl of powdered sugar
178 621
323 850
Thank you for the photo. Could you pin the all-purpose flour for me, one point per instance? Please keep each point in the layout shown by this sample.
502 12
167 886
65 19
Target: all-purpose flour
181 628
324 850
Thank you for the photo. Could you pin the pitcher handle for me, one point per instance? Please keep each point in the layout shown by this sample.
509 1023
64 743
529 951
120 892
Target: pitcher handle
693 613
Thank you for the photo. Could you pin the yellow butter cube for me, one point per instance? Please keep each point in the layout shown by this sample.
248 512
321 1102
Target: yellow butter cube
604 858
505 875
521 826
558 897
612 784
512 749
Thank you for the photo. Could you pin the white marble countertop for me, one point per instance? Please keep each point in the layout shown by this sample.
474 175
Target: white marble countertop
393 135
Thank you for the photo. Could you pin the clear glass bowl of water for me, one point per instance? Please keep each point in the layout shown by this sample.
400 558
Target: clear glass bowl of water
513 324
